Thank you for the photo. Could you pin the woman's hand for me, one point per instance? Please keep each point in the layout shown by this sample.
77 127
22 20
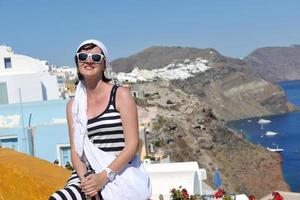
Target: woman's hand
91 184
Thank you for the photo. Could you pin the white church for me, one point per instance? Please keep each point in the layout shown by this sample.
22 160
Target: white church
26 78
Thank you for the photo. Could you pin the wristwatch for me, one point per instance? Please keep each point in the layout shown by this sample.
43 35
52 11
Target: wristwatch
110 174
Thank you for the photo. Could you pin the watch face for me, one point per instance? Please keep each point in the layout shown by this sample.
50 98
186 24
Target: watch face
111 175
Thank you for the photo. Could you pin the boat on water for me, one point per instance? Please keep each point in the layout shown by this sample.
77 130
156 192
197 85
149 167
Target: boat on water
275 150
270 133
264 121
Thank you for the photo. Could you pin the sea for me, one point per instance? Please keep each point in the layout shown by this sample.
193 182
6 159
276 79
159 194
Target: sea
287 127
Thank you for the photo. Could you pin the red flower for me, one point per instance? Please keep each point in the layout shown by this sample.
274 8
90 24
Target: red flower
218 194
252 197
184 193
277 196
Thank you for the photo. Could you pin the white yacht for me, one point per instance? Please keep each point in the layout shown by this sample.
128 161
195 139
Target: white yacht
275 150
264 121
271 133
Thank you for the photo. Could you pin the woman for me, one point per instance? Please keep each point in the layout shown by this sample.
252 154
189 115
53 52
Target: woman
101 115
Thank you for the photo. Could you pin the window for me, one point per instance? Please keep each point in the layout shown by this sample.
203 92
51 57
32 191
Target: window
63 154
9 142
7 63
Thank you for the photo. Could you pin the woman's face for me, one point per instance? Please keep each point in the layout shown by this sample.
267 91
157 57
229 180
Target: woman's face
88 68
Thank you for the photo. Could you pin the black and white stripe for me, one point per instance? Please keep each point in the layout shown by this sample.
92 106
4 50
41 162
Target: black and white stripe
106 130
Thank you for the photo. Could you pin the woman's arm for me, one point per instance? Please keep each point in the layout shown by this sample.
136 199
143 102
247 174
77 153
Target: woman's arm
78 165
126 106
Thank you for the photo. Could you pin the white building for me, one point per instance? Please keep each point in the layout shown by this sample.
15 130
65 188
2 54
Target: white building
165 176
24 75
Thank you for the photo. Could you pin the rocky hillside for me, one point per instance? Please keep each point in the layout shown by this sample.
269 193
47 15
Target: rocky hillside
276 63
234 93
185 128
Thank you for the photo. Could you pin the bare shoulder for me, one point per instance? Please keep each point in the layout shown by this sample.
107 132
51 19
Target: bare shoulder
124 98
123 92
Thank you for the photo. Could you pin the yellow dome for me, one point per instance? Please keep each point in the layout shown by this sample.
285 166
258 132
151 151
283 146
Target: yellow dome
26 177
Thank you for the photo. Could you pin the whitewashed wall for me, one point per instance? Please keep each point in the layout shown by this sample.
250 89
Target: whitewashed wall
28 74
30 85
20 63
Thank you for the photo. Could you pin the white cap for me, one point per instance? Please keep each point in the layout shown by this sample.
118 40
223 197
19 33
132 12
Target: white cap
96 42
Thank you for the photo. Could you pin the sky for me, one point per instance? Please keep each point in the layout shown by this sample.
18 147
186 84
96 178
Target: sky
52 30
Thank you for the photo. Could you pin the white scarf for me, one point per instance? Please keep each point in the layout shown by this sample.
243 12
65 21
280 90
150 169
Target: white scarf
132 182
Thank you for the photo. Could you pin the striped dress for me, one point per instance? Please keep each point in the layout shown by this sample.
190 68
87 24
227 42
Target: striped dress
106 132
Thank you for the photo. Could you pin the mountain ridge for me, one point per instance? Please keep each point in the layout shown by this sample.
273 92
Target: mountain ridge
276 64
160 56
272 63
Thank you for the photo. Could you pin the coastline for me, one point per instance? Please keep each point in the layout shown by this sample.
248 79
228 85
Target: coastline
285 124
252 132
278 156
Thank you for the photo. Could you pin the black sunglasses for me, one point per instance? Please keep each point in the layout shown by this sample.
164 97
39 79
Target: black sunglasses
96 57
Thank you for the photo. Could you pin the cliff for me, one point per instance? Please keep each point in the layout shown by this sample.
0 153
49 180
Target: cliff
185 128
234 93
28 178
